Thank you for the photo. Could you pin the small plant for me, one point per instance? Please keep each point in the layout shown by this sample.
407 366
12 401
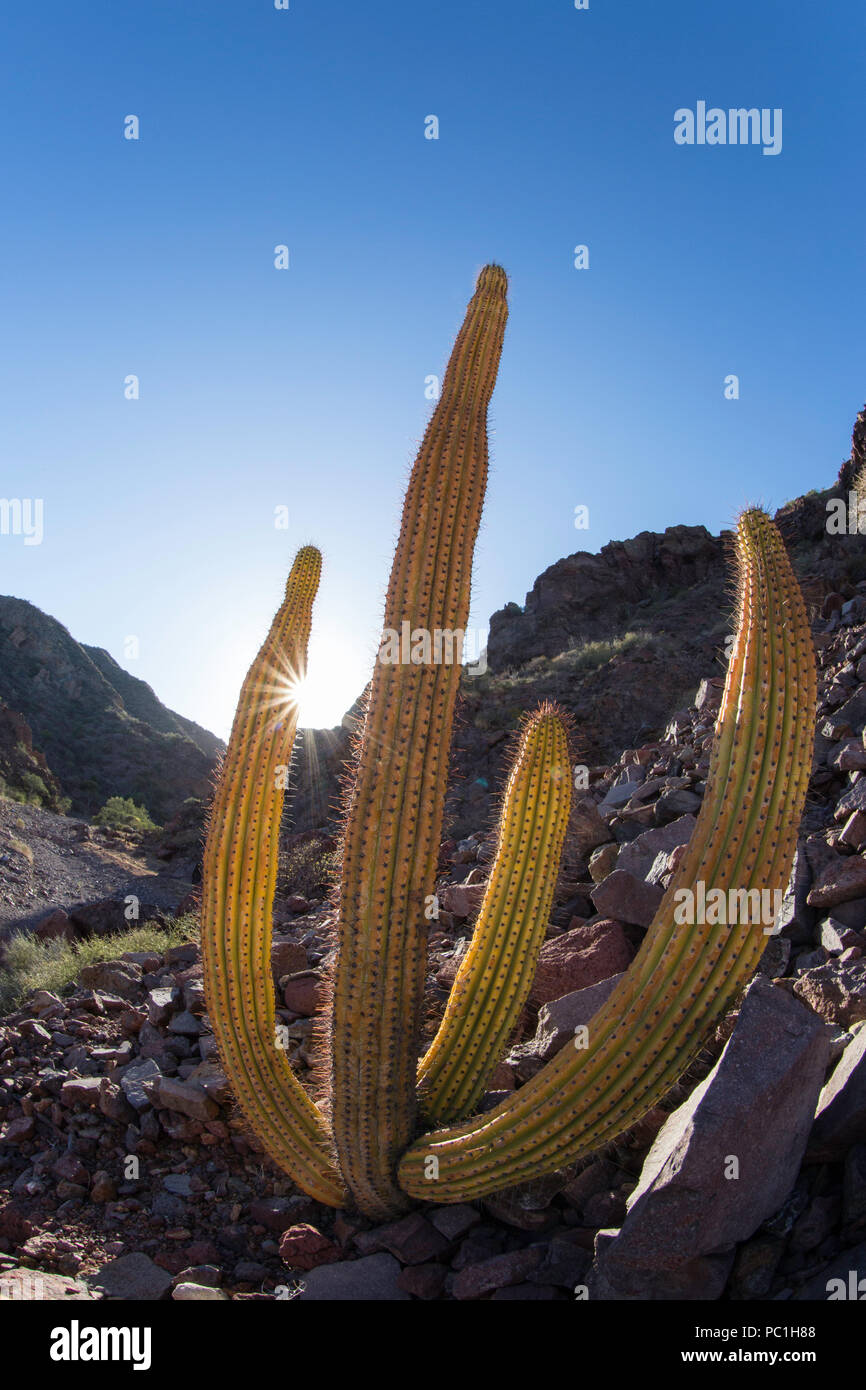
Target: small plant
30 964
121 813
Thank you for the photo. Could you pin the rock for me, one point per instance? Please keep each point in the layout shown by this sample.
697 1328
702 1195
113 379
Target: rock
119 977
55 926
304 1247
454 1222
755 1267
132 1277
277 1214
184 1098
413 1240
557 1022
462 899
620 793
840 1118
626 898
476 1280
854 1191
842 1278
602 861
639 855
199 1293
675 804
21 1285
423 1281
836 991
375 1278
839 882
585 956
836 937
287 958
103 1188
81 1090
186 1024
304 994
854 831
586 828
19 1130
755 1106
160 1005
108 915
134 1079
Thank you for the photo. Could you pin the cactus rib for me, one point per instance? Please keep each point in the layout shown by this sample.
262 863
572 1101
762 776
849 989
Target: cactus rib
683 976
495 976
394 816
238 883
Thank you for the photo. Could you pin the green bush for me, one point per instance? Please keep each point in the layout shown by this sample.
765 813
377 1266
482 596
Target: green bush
308 868
121 813
30 964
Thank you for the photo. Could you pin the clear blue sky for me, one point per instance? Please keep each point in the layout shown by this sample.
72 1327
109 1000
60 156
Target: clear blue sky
305 387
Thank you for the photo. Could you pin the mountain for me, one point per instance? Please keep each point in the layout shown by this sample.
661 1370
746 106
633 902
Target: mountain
101 731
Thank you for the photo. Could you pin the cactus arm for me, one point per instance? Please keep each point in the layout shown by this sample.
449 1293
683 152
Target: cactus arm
394 816
238 882
496 974
684 976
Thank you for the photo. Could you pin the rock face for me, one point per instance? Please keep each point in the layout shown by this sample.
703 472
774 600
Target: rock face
581 598
103 732
754 1111
24 773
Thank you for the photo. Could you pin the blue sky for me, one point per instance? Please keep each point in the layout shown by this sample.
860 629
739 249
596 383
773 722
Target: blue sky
305 387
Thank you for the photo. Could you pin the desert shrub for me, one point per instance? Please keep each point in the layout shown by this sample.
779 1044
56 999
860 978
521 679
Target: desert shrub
30 964
308 868
121 813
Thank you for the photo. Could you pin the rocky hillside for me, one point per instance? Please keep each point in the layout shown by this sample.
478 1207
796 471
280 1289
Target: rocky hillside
24 773
619 639
100 731
124 1061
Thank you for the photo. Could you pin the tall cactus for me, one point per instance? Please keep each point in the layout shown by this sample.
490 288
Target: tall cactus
394 819
238 881
683 977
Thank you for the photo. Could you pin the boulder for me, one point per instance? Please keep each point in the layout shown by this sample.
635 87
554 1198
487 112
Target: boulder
725 1160
840 1119
626 898
375 1278
584 956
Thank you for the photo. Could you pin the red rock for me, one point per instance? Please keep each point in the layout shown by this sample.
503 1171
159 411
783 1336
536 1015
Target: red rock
304 994
840 882
303 1247
836 991
580 958
412 1240
463 899
626 898
288 958
511 1268
56 926
19 1130
423 1281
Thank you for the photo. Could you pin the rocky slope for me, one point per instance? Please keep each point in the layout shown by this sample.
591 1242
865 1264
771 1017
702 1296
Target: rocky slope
101 731
126 1065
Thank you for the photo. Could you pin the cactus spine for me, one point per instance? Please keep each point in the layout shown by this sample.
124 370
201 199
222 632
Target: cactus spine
496 974
684 976
394 817
238 882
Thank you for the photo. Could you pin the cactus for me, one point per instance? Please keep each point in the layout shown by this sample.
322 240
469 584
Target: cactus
238 880
680 982
684 976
